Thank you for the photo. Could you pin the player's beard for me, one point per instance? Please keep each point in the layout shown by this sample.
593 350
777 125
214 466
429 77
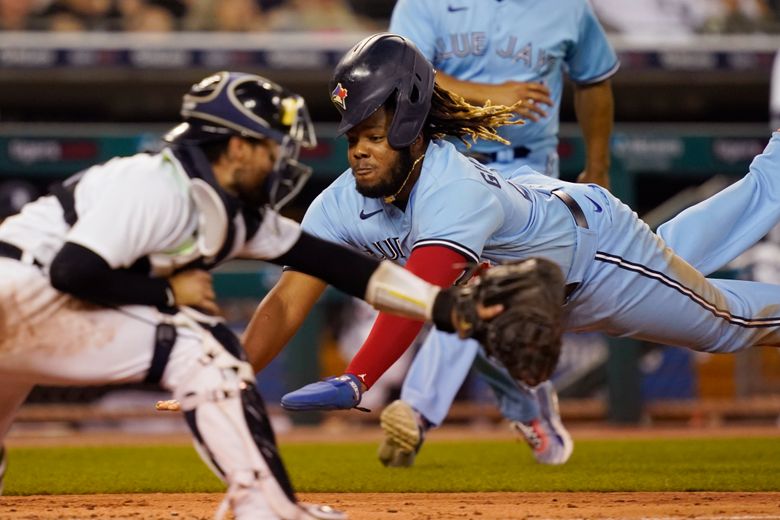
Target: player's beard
397 175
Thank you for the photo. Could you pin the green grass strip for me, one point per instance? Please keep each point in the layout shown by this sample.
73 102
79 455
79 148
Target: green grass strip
637 465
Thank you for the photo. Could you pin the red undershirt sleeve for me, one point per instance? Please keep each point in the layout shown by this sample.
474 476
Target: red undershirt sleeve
391 336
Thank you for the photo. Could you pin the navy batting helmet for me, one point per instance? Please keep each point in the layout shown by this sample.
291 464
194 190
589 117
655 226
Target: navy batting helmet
378 67
246 105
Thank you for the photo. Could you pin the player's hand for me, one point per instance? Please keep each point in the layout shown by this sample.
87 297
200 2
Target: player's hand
193 288
527 99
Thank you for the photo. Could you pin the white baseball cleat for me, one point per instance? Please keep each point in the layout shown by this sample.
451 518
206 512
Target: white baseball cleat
403 435
546 435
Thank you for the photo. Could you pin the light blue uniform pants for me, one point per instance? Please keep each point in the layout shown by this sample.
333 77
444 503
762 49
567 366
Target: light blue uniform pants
707 236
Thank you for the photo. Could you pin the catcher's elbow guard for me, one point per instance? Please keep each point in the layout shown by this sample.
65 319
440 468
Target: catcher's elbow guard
394 289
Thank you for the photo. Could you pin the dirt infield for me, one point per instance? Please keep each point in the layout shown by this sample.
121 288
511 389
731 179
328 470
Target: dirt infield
417 506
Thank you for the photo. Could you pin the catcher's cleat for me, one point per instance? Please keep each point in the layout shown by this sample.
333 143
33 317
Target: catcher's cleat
546 435
404 435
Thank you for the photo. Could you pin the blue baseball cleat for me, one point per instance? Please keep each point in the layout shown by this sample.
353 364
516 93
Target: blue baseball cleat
334 393
546 435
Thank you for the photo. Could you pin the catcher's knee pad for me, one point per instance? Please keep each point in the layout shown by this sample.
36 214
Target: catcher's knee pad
233 434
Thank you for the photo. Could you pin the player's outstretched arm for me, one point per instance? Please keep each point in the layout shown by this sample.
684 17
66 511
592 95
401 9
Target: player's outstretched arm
279 316
389 338
525 337
386 286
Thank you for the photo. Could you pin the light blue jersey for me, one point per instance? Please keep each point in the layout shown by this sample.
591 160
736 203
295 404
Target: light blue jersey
494 41
457 203
629 282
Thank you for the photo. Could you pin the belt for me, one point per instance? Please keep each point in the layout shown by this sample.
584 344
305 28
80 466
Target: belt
579 219
11 251
503 155
574 208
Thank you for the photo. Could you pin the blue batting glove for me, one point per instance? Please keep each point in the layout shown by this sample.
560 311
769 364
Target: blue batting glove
334 393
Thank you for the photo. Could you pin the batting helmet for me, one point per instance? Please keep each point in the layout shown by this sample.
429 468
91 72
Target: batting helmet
246 105
378 67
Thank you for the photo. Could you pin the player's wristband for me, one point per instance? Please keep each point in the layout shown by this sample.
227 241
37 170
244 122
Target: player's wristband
443 306
394 289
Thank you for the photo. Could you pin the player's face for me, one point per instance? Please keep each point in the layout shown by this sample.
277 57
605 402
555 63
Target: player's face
379 169
253 165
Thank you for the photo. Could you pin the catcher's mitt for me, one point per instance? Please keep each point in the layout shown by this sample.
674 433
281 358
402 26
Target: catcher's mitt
526 337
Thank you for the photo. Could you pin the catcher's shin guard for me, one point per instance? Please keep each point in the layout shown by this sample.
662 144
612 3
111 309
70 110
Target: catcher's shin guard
234 437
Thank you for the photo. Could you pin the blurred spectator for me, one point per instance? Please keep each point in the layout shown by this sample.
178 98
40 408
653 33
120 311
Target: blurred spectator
80 15
685 17
317 15
225 15
743 16
152 15
655 17
16 15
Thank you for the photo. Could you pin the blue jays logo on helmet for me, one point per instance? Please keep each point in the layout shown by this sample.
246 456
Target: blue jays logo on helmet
377 68
339 96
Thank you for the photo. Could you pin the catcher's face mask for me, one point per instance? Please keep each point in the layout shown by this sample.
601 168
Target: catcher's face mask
289 175
250 106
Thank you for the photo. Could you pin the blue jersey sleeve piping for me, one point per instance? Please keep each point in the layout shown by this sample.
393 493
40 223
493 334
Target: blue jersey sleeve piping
601 77
449 244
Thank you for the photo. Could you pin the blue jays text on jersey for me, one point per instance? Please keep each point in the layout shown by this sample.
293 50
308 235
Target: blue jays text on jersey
490 41
476 44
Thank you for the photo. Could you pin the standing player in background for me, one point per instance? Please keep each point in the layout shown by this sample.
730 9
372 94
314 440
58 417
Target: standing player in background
513 53
435 210
100 282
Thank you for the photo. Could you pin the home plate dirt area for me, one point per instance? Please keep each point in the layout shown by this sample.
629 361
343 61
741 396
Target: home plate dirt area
416 506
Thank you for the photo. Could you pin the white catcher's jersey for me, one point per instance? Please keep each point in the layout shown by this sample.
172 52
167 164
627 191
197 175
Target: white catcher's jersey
132 207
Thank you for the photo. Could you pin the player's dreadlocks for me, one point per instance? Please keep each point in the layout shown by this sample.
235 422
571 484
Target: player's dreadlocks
451 115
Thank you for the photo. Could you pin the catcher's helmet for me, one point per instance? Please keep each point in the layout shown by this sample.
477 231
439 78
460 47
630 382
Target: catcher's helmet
246 105
378 67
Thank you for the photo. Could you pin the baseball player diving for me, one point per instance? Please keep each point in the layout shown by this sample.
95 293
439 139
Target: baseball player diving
106 280
514 53
410 196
